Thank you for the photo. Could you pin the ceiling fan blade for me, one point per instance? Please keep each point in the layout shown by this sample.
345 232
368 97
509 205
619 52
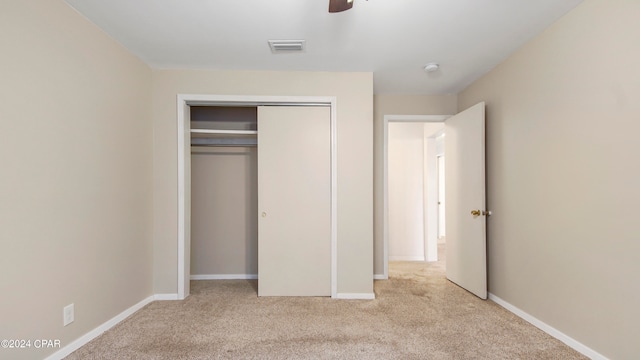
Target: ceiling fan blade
339 5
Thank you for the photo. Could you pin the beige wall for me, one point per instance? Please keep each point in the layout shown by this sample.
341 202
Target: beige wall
397 105
354 141
224 210
76 155
563 119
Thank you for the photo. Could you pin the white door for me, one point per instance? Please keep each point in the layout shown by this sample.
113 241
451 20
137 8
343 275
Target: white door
294 201
465 193
441 201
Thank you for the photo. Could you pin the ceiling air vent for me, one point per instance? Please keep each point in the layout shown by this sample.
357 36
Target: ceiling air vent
286 46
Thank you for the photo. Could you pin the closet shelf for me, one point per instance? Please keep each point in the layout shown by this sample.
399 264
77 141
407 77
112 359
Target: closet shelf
224 142
224 132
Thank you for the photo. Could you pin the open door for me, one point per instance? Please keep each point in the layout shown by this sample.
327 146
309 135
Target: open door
294 200
466 205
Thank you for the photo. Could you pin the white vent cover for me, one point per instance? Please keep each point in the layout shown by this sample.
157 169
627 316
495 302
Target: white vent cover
282 46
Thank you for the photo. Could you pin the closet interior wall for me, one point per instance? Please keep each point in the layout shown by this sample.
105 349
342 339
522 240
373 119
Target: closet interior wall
224 196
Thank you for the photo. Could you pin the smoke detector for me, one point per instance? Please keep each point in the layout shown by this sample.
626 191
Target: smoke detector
431 67
287 46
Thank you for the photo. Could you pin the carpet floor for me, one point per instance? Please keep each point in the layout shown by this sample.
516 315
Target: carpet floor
417 314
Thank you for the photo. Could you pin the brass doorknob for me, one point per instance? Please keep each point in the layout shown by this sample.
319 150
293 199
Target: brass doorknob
475 212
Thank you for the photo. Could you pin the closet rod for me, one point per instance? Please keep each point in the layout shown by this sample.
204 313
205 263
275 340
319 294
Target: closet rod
222 145
223 142
234 132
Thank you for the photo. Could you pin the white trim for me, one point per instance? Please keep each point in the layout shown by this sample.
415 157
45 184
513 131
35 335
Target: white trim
571 342
380 277
251 100
185 100
334 197
406 258
182 284
385 174
163 297
225 277
84 339
356 296
415 118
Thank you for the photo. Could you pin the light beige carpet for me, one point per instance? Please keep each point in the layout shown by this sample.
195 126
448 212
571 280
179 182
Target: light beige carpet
417 314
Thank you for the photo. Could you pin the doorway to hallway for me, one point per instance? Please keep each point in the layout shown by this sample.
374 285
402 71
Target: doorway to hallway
410 202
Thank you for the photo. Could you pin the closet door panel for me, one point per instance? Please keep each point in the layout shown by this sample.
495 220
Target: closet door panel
294 201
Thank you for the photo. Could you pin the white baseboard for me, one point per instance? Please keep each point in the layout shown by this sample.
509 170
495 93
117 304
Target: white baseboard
356 296
225 277
380 277
406 258
81 341
165 297
571 342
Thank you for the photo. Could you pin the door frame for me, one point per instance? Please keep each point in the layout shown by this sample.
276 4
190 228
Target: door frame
385 178
184 101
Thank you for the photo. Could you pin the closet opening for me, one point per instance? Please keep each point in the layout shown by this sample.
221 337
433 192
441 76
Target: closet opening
224 193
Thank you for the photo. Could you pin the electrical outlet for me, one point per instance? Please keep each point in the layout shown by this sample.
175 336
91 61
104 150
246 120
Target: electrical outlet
67 315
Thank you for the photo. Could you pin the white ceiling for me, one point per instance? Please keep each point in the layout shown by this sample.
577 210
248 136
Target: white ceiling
393 39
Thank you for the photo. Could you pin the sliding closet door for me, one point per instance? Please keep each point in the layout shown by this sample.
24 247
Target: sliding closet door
294 201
